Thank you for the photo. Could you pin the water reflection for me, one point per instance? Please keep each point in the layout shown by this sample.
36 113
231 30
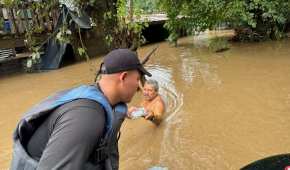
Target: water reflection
189 67
194 69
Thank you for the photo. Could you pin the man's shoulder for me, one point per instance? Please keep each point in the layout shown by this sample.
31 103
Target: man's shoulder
84 103
79 113
160 100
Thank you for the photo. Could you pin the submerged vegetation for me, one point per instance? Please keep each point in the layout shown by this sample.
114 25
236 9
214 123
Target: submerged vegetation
218 44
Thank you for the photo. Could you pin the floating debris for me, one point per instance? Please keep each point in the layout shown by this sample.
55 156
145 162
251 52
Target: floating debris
139 112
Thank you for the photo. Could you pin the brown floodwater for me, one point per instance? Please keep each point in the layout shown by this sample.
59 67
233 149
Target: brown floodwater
224 110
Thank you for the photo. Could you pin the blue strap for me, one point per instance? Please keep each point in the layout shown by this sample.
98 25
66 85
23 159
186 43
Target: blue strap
81 92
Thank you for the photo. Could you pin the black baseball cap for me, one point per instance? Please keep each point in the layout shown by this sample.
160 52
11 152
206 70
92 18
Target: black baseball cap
120 60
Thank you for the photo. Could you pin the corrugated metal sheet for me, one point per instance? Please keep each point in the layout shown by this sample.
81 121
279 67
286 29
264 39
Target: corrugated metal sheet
6 53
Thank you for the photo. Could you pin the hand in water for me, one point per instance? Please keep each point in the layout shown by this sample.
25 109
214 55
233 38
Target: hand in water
150 115
130 110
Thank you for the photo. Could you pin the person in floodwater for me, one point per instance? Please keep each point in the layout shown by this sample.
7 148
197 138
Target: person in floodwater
79 128
153 104
152 101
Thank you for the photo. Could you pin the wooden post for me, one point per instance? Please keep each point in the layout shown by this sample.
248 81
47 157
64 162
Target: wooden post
19 23
1 12
48 23
1 16
30 17
41 21
26 19
5 13
40 18
54 17
13 13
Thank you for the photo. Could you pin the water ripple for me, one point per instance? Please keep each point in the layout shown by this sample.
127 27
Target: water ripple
174 102
173 99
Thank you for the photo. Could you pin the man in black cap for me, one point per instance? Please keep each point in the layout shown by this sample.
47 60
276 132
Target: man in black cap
79 128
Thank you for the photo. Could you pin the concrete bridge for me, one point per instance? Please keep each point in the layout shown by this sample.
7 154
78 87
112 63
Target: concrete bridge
155 31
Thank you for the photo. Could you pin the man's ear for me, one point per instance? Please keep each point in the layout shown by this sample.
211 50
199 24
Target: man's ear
123 75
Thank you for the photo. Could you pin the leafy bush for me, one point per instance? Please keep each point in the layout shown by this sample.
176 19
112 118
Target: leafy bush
253 19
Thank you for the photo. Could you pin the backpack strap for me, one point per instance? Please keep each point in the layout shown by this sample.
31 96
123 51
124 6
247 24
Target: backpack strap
101 152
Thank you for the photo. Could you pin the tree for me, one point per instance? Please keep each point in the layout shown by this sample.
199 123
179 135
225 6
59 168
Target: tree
252 19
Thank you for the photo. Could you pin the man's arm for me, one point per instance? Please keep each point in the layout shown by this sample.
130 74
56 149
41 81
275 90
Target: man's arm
73 138
158 110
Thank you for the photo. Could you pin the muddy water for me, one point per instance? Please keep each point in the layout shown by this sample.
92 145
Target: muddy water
224 110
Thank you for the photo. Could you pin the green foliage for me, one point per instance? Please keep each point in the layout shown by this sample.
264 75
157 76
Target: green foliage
120 30
9 3
33 61
121 9
147 7
83 52
260 19
64 35
264 18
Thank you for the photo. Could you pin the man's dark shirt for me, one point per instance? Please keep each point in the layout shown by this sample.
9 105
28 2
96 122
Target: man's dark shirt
68 136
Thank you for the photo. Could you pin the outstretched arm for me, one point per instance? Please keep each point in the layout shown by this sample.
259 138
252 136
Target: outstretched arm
159 111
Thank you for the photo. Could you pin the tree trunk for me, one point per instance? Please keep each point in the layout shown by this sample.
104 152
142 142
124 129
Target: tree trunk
131 11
